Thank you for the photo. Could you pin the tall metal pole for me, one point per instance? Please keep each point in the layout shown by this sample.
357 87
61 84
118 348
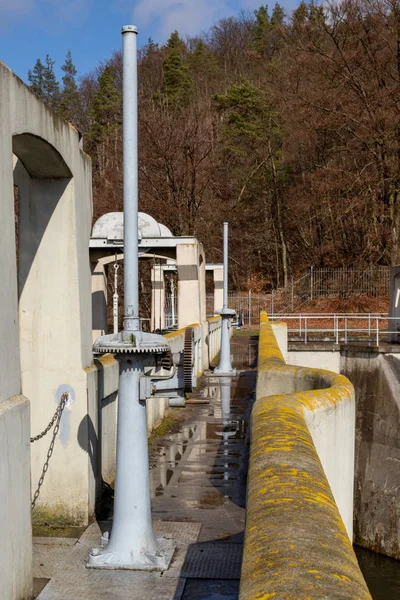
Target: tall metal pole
226 234
131 183
132 543
225 366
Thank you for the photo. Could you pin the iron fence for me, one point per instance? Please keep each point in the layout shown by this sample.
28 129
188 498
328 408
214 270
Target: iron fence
348 282
315 283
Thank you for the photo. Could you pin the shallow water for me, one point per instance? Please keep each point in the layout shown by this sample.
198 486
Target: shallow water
381 573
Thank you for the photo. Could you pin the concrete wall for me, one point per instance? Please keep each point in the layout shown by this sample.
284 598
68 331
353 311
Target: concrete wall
315 359
376 378
45 312
45 316
300 483
99 298
15 516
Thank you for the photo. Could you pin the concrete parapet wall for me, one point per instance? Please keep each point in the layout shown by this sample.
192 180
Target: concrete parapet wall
15 535
214 337
315 358
300 483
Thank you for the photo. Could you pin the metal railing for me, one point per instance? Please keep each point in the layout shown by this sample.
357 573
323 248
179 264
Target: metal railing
171 311
341 328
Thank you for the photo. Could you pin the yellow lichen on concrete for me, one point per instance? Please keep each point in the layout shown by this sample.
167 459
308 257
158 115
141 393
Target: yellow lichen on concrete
296 545
179 332
214 319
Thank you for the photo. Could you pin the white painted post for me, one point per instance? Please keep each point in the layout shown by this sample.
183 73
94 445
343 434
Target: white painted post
115 297
132 543
173 315
311 282
292 294
225 366
249 307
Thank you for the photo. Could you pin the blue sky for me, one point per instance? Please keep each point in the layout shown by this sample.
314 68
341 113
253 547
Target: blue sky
91 28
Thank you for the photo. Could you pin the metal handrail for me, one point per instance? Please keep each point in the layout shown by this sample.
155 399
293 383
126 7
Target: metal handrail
342 329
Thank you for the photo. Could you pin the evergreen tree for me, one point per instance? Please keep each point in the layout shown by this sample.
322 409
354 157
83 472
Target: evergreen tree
36 78
253 139
266 36
203 64
51 87
69 97
106 111
177 83
106 119
43 82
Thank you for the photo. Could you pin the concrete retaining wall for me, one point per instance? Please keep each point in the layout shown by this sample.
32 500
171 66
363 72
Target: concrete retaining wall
376 378
300 483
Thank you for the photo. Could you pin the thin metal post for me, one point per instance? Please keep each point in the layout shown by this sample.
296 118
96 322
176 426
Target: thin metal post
292 294
115 297
173 316
311 282
131 192
161 289
225 366
225 265
377 331
305 330
272 303
249 307
345 330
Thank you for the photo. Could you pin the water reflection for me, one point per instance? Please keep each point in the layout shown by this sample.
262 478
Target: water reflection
381 573
201 464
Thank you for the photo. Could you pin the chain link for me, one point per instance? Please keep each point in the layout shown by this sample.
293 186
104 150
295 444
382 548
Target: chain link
56 422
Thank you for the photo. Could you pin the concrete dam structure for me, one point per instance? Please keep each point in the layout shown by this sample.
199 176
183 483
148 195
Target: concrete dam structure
323 444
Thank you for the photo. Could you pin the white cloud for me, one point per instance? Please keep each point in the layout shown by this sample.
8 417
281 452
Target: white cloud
189 17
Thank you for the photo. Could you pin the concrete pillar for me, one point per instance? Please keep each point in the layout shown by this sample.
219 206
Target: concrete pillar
15 493
218 275
190 308
99 299
157 298
191 266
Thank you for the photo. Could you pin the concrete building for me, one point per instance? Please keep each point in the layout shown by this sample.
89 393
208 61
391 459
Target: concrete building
45 323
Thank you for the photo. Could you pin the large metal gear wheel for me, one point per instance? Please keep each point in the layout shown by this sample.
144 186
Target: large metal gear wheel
188 360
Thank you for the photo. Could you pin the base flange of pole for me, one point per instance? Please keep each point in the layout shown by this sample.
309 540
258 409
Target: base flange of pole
159 560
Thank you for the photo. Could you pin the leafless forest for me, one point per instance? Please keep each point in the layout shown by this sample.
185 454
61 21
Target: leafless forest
286 126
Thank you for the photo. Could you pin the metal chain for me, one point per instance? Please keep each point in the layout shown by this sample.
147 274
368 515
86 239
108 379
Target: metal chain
58 412
55 420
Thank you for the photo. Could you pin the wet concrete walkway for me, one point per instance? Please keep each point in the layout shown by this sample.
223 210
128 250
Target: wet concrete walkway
198 476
